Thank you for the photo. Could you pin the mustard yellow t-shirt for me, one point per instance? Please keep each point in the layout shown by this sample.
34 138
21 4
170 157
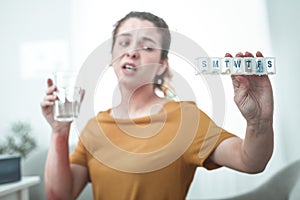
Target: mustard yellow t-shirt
147 158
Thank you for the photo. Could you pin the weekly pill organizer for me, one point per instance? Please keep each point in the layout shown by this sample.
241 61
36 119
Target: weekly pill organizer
235 66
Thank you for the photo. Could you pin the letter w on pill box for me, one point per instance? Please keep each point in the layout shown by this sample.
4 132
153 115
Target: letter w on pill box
235 66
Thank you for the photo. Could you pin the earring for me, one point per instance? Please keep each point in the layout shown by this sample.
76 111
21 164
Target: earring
159 81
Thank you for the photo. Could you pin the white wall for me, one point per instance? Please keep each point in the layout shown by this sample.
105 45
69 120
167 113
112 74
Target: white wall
285 30
27 22
23 22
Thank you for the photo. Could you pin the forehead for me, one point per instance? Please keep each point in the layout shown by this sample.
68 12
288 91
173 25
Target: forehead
134 26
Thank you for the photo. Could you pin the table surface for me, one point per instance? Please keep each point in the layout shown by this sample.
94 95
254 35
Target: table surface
24 183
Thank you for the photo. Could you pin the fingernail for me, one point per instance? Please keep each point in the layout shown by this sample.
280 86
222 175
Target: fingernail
228 55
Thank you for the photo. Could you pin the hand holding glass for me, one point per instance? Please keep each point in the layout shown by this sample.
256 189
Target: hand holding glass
67 107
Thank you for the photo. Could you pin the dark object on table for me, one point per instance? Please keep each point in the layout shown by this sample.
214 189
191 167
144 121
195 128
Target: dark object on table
10 168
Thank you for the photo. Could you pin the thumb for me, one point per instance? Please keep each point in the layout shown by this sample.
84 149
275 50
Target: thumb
235 81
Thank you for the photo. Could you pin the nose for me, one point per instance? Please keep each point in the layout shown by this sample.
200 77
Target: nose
132 53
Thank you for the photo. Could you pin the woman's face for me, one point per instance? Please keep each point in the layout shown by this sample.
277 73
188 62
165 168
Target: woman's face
136 54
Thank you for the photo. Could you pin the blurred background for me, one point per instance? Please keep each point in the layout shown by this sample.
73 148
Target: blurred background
40 37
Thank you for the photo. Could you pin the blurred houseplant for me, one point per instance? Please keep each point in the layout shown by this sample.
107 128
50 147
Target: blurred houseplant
20 142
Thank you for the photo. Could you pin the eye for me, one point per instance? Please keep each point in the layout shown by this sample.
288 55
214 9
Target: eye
147 48
123 43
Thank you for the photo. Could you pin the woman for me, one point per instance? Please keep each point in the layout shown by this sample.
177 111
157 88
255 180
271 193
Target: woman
147 128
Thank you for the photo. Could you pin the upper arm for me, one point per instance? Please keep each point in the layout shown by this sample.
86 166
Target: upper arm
228 154
80 178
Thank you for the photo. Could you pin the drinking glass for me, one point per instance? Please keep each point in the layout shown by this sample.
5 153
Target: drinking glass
67 107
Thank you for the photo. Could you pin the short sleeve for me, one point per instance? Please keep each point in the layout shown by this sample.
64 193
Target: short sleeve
79 156
205 153
207 139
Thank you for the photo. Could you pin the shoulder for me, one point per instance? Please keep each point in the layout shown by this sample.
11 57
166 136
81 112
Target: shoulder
90 129
181 104
191 108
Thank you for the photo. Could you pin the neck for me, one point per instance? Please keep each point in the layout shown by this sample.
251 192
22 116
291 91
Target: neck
138 102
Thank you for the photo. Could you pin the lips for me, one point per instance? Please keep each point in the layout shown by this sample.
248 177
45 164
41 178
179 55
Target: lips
129 67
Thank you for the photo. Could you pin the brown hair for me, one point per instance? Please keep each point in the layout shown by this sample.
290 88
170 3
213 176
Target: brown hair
160 82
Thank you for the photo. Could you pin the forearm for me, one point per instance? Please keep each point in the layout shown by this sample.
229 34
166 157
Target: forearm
58 176
257 147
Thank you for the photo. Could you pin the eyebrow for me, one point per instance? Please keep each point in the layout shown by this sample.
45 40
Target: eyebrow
143 38
149 39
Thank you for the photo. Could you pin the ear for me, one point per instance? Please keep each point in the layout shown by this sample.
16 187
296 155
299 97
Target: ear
164 64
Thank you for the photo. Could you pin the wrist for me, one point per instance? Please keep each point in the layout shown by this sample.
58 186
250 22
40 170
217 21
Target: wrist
260 125
62 128
259 122
61 141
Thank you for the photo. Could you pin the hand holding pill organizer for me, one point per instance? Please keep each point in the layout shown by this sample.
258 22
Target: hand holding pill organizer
235 65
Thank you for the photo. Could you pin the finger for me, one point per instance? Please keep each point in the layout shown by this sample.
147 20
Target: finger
51 89
47 103
240 83
228 55
248 54
259 54
235 81
49 82
51 98
239 54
